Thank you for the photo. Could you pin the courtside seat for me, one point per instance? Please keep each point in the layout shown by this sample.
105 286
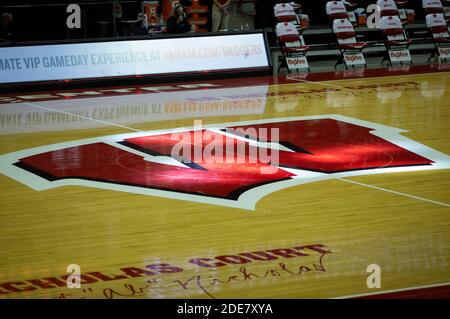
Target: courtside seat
388 8
438 28
434 6
346 36
289 11
284 12
396 40
289 38
391 8
346 41
291 44
393 30
336 10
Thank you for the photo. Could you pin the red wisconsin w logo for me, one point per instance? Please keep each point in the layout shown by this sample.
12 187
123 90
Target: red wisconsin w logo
311 149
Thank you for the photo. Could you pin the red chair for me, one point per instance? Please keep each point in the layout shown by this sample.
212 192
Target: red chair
388 8
432 6
438 28
396 40
290 11
284 12
336 10
292 46
349 47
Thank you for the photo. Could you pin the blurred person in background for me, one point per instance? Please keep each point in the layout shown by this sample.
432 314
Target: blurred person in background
220 15
7 33
178 21
117 17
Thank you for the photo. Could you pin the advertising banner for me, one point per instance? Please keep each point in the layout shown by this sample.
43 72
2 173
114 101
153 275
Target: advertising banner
132 58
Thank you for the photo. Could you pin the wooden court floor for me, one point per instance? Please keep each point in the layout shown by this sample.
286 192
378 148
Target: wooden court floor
298 240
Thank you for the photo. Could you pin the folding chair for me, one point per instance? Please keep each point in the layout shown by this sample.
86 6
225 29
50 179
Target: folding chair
438 28
284 12
396 40
388 8
292 46
336 10
290 12
434 6
349 47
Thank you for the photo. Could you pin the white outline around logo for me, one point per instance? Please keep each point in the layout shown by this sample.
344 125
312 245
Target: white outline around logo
246 200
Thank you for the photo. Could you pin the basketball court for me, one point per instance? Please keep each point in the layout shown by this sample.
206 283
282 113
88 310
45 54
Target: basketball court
362 186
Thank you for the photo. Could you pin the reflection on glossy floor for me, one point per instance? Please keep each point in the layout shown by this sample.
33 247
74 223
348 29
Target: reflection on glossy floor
363 178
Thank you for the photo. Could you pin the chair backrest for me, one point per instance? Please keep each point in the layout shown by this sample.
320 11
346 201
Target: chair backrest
287 34
284 12
437 25
392 28
344 31
387 8
336 10
432 6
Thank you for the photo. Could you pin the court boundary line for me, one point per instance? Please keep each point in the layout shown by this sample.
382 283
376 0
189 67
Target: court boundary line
315 82
392 291
394 192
